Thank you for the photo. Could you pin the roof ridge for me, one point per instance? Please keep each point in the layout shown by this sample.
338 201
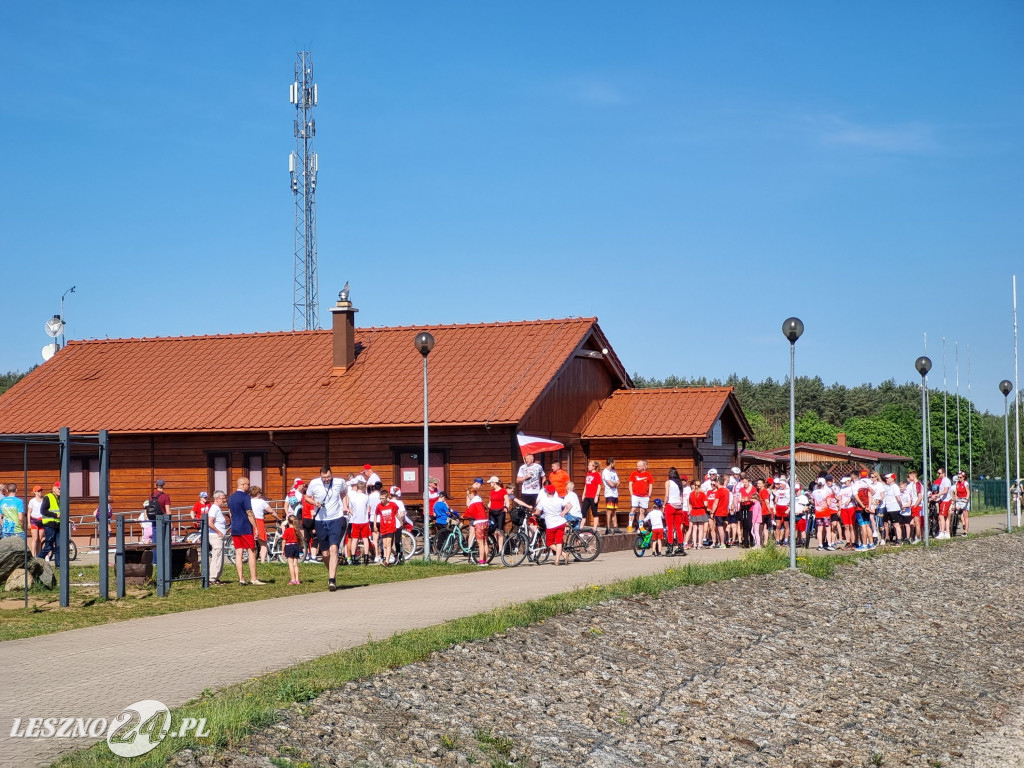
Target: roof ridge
661 390
373 328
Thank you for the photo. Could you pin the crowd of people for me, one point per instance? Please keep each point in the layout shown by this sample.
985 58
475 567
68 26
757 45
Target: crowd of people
355 520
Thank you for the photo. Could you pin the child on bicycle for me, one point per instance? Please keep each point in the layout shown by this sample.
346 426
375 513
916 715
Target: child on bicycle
292 537
655 518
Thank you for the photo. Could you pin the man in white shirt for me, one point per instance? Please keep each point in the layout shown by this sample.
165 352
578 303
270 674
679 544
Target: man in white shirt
531 477
218 530
329 495
610 481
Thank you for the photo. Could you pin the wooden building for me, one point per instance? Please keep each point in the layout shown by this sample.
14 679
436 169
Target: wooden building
200 411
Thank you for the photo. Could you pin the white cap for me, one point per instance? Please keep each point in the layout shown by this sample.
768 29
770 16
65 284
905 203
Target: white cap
736 470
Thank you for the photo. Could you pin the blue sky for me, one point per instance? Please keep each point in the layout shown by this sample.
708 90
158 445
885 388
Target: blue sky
690 173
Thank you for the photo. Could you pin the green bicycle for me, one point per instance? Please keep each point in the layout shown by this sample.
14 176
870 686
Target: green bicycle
456 544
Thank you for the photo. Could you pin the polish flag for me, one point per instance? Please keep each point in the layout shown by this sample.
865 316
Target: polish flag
530 444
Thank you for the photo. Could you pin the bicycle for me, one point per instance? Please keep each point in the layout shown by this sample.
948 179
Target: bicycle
524 542
456 544
643 542
583 545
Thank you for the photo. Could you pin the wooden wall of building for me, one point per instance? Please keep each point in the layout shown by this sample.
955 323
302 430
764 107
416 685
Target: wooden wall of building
572 399
659 455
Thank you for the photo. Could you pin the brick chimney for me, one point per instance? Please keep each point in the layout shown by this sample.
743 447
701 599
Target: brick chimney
841 439
343 318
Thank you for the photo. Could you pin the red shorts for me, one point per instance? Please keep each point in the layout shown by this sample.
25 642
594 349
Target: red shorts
244 542
480 528
847 516
261 529
35 525
944 508
554 536
915 511
801 525
781 511
359 531
658 534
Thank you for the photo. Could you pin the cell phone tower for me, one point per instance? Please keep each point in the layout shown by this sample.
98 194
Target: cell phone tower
302 167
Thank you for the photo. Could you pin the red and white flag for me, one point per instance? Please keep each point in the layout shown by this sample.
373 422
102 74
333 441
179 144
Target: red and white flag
530 444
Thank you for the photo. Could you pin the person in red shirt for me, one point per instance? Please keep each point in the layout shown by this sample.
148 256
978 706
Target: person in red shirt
590 489
200 508
476 513
558 477
745 493
698 518
962 498
292 537
500 503
387 512
767 512
719 508
640 483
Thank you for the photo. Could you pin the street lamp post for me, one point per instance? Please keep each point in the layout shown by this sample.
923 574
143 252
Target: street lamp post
923 365
62 323
424 342
1006 387
792 329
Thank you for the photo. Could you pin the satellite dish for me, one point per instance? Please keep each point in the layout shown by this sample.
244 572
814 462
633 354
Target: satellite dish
54 326
49 351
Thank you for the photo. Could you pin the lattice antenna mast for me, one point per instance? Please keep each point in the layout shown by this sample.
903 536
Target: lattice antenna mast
302 167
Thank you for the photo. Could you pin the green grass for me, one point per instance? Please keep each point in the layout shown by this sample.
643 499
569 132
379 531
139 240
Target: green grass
237 710
45 616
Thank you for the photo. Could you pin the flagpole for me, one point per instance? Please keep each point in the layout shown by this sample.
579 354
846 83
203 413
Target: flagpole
945 421
970 432
956 355
1016 398
928 439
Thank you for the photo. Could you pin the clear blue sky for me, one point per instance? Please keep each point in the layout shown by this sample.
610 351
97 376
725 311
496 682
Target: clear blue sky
691 173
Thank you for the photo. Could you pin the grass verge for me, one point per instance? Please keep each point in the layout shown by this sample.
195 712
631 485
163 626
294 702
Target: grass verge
237 710
44 616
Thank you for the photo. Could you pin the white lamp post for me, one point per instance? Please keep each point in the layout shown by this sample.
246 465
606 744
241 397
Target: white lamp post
792 329
424 342
1006 387
923 365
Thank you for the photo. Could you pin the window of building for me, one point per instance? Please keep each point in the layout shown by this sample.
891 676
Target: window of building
254 467
716 434
84 479
218 472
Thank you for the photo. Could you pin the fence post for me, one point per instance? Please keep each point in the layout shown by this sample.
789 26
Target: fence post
119 557
204 551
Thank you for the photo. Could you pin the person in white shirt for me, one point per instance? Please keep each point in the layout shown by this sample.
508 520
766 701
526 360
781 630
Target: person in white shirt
358 524
329 495
573 510
656 518
531 477
218 530
373 491
261 510
552 508
944 497
610 481
781 510
906 498
706 485
916 491
822 513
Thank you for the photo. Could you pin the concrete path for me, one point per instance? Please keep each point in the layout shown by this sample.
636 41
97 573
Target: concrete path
98 671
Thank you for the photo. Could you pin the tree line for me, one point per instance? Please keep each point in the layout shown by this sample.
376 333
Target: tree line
884 417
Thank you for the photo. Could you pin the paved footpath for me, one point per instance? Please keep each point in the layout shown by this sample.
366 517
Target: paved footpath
98 671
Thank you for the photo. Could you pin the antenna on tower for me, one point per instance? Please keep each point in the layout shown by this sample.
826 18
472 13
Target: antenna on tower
302 168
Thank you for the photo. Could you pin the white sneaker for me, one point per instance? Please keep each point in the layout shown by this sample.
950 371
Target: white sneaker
376 560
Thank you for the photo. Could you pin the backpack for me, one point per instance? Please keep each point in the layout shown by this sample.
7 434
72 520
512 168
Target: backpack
152 506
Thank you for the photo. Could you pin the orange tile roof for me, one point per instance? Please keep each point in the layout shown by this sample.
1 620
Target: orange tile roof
689 412
284 380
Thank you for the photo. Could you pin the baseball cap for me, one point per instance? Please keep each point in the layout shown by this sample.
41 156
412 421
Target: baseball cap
658 502
394 490
684 479
736 470
799 487
479 480
549 489
161 483
37 488
829 478
367 466
494 479
846 479
712 471
57 485
297 480
204 495
863 473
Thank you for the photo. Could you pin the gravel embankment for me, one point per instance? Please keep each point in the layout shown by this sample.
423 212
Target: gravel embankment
912 659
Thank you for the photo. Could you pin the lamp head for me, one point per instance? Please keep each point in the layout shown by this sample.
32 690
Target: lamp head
923 365
424 342
793 329
343 294
1006 387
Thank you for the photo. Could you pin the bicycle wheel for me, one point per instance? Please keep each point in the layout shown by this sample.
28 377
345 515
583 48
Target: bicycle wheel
492 547
277 552
409 547
72 550
586 546
514 551
417 535
451 545
954 523
229 550
638 546
542 555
